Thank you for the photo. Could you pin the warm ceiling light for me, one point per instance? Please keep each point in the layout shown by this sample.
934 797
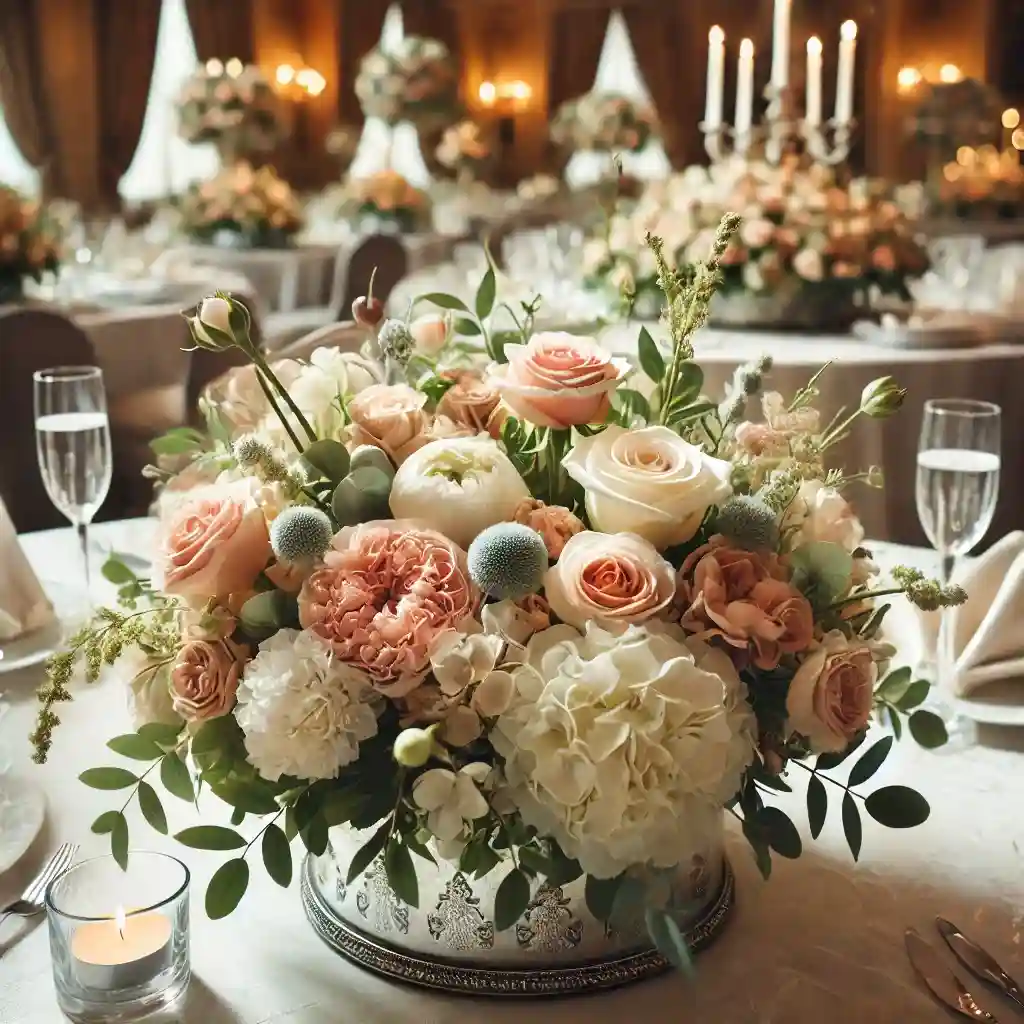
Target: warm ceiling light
488 93
519 91
233 67
1017 139
950 73
311 80
214 68
1011 118
908 78
848 30
285 74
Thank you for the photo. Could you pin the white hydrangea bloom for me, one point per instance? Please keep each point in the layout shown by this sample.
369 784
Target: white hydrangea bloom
625 747
303 712
452 801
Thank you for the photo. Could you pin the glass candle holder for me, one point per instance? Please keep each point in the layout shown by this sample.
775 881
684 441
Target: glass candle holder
119 940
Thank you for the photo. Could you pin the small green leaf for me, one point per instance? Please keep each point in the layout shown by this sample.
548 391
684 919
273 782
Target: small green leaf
277 855
928 729
401 872
226 888
895 721
669 940
897 807
315 835
108 778
179 441
817 805
651 360
329 458
852 828
826 762
870 761
152 809
487 861
361 496
249 797
119 842
633 405
161 734
781 833
237 816
366 853
485 294
563 869
600 896
266 613
511 899
444 300
210 837
917 693
689 381
466 328
175 776
116 572
137 747
895 685
105 823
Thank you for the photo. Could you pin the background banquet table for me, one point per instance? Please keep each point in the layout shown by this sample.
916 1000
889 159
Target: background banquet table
821 942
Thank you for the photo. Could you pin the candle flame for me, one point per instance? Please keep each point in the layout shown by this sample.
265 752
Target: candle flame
716 36
848 30
121 919
814 46
747 48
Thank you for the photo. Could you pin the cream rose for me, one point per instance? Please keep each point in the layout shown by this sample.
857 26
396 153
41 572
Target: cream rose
832 693
822 514
610 580
648 481
204 679
391 417
430 332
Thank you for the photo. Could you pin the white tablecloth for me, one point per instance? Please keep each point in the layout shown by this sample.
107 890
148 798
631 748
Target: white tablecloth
821 942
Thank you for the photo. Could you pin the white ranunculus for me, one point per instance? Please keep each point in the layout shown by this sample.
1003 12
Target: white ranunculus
624 747
458 486
821 514
451 799
647 481
303 712
330 375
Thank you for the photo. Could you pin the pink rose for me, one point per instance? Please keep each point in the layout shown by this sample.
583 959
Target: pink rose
386 590
822 514
788 610
471 402
204 679
831 696
553 522
558 380
430 332
391 417
609 579
214 546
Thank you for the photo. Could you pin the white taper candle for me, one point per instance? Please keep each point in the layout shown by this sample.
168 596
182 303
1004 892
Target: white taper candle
716 77
813 103
780 43
844 76
745 90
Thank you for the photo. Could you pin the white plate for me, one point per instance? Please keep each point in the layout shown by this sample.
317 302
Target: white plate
22 810
996 703
30 649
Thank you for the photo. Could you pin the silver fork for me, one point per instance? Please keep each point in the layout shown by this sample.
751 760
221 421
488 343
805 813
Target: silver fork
31 901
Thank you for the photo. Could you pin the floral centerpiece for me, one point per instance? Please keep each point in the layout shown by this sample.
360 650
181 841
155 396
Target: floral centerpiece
808 250
29 243
604 122
505 622
234 107
240 206
414 80
464 150
387 199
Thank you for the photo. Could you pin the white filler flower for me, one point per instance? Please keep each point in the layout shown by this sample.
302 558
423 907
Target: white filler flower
303 712
624 747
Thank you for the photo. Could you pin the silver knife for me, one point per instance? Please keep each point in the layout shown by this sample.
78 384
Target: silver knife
944 984
978 961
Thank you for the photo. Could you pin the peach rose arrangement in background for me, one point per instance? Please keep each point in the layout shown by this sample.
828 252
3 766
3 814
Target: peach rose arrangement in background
473 598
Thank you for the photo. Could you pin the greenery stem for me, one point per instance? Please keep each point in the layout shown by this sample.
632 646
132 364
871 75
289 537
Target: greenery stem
827 778
135 788
262 365
835 433
278 411
557 443
868 594
267 825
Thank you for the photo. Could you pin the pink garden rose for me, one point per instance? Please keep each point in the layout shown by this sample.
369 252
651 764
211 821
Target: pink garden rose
391 417
386 590
610 579
473 403
558 380
832 693
555 524
204 679
214 546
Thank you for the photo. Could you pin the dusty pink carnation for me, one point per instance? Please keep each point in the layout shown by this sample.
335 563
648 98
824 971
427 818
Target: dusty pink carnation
388 588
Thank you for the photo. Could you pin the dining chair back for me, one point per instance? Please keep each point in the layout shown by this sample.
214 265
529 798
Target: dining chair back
384 253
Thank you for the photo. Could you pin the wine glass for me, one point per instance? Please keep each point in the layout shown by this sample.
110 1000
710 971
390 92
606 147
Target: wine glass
73 444
957 488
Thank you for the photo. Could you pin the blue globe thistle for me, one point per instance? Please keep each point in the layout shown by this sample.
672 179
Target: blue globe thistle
508 561
300 533
749 523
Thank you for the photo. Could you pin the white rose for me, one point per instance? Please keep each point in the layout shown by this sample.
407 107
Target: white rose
756 234
624 747
809 264
647 481
458 486
213 312
330 375
822 514
430 332
149 689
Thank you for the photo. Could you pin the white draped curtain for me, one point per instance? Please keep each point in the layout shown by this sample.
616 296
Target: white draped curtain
15 170
164 163
381 146
618 72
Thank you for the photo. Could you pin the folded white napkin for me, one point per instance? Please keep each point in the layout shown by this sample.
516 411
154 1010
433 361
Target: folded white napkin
988 631
24 606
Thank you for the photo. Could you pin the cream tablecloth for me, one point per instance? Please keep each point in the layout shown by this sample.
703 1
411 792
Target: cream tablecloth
822 941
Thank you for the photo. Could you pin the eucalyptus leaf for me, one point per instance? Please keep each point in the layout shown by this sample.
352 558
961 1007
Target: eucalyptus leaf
366 853
176 778
485 294
563 869
852 827
277 855
487 861
226 888
327 457
511 899
915 695
137 747
249 797
160 733
210 837
444 300
652 362
237 816
363 495
817 805
267 613
108 778
105 823
895 685
668 939
781 833
466 328
119 842
928 729
599 894
401 872
895 721
897 807
821 570
152 809
870 761
315 835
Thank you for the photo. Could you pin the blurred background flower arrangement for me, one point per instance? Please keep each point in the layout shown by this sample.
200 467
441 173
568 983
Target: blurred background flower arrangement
465 150
603 122
29 243
387 199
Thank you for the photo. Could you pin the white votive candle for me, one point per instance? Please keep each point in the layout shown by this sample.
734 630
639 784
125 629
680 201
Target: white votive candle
123 952
814 80
716 77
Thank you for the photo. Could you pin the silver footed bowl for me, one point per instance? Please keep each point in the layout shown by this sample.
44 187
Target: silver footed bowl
449 942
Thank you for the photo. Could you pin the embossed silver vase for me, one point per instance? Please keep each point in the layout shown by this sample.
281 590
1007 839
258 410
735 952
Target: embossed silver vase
449 941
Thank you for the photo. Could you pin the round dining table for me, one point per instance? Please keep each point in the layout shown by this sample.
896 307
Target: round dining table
822 941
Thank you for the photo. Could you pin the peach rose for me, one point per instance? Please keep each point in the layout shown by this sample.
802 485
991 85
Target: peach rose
787 609
831 696
391 417
759 439
214 546
558 380
471 402
610 579
204 679
822 514
553 522
430 332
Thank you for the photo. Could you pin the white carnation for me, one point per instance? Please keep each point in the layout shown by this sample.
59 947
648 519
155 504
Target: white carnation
303 712
625 747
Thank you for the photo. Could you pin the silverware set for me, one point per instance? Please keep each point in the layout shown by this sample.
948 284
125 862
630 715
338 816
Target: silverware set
31 901
945 985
